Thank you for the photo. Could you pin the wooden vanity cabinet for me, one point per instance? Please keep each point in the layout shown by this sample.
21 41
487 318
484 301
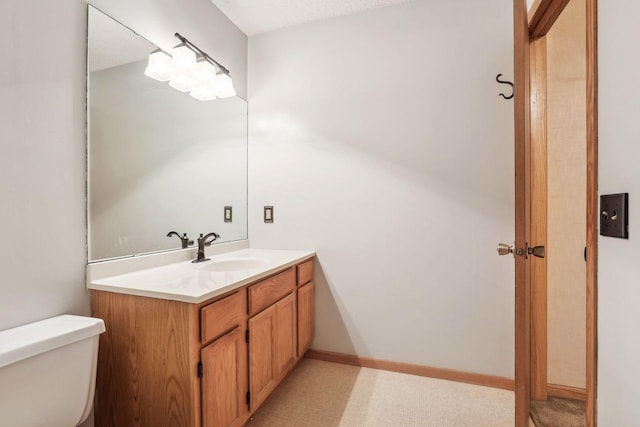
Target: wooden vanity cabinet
170 363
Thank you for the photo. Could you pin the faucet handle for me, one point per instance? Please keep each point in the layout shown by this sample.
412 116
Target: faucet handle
202 242
215 236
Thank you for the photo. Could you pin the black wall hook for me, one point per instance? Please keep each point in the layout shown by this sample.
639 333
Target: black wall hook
506 83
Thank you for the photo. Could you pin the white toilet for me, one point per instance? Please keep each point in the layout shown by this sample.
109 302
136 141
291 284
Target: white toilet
48 371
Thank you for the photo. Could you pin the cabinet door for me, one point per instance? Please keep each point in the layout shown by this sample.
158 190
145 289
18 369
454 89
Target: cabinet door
224 381
263 370
286 350
305 317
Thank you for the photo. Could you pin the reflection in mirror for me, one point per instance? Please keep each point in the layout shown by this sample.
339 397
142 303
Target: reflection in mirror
158 159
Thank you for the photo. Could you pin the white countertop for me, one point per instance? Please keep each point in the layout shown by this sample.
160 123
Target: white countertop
197 282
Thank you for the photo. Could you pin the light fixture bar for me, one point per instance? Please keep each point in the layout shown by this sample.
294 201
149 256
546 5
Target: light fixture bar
202 53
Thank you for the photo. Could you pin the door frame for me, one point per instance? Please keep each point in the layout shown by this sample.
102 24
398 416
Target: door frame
592 211
543 14
522 166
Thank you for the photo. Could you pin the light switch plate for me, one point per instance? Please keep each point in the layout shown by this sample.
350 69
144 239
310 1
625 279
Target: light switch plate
228 214
268 214
614 215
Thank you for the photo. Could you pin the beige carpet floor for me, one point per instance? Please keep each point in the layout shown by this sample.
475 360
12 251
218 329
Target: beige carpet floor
324 394
558 412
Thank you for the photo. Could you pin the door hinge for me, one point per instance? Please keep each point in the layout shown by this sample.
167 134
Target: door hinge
248 398
200 372
246 335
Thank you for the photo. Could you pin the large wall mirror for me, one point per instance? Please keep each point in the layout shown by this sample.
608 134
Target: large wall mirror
158 159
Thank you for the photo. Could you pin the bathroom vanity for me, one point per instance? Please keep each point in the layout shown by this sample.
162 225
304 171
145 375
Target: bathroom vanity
200 344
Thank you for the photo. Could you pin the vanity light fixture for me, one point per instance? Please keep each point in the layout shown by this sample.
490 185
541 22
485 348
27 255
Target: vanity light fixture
190 69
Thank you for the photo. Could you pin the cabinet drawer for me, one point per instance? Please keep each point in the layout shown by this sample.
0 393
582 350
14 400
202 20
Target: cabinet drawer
305 272
222 315
265 293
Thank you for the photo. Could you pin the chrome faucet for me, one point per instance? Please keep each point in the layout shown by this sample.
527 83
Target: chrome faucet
184 239
202 242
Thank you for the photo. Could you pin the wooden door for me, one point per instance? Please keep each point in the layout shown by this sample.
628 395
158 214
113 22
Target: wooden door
543 16
522 211
305 317
558 144
263 366
224 381
286 340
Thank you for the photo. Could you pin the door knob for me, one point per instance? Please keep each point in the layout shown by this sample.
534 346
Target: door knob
537 251
504 249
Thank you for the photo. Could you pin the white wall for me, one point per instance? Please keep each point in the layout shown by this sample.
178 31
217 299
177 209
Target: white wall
382 143
619 171
42 161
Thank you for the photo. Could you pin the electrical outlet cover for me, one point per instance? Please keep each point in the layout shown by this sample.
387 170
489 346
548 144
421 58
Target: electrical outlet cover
268 214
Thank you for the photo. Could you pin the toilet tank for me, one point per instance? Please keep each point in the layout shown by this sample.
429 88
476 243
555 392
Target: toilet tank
48 371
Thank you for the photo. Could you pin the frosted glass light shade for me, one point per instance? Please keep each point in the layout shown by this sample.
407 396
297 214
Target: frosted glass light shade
205 74
183 57
159 66
184 66
184 82
224 86
204 92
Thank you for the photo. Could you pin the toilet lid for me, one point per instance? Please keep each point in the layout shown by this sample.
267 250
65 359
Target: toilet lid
29 340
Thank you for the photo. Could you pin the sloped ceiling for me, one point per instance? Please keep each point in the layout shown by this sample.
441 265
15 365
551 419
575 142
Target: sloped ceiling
259 16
